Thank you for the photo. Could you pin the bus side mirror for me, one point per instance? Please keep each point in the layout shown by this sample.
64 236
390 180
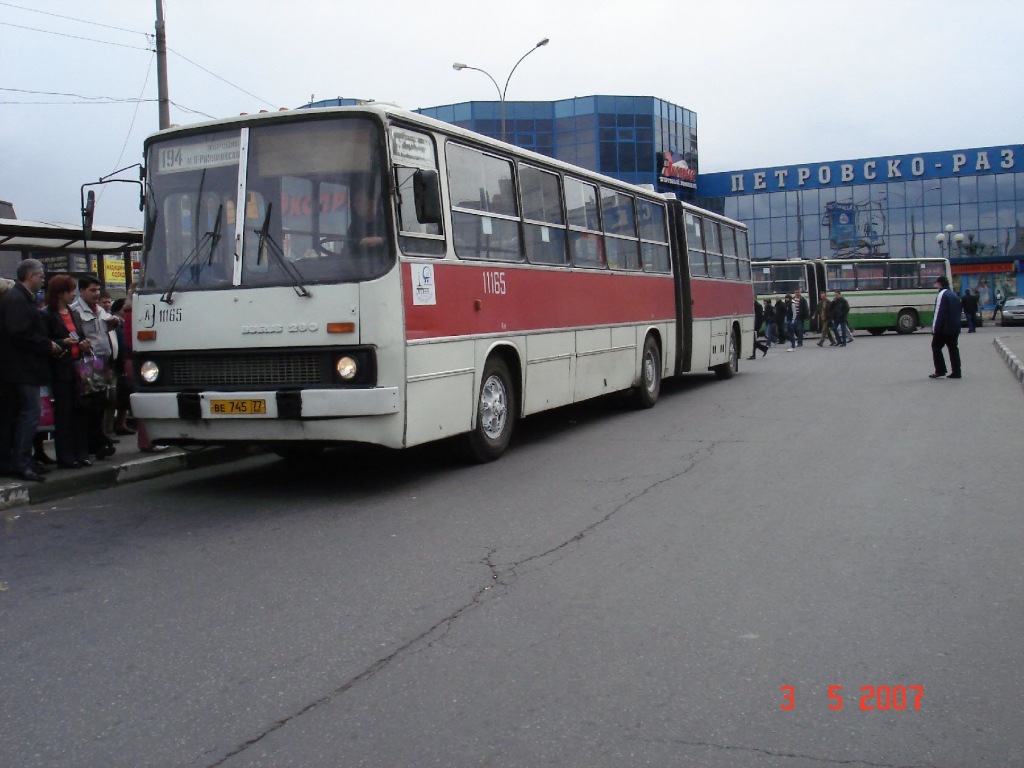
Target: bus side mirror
88 211
427 196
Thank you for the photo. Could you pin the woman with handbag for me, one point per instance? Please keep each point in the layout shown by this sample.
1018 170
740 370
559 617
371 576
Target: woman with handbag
70 420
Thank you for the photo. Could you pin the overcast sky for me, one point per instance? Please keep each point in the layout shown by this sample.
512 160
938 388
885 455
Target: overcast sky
773 82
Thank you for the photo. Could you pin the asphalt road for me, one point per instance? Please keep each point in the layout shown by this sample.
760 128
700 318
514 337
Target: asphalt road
673 587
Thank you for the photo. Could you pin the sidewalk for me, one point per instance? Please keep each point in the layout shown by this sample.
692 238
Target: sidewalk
1011 348
128 465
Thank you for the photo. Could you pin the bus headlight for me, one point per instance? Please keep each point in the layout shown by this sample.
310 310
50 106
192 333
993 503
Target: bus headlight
347 368
149 371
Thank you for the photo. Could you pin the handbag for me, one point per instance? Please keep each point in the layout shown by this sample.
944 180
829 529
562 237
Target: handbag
46 411
92 377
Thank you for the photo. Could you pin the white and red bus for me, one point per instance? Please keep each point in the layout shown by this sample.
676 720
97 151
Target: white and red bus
369 275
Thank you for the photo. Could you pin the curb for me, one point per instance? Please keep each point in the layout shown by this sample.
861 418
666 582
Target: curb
142 467
1011 359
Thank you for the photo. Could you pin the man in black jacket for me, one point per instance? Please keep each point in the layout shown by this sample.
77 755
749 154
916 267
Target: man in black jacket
840 311
970 307
25 351
945 330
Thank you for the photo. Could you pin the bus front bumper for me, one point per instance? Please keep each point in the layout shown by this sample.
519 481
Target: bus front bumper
285 404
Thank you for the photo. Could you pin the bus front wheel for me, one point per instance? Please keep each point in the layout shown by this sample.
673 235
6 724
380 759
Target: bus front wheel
645 394
906 321
495 413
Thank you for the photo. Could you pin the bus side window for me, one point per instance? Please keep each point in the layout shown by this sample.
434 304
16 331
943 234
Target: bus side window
653 236
485 221
732 264
714 249
695 244
413 237
619 217
586 243
544 225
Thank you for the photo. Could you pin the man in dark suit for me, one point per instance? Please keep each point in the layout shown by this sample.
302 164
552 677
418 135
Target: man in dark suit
25 350
970 305
945 330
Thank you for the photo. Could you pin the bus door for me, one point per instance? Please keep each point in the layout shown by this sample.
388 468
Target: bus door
684 296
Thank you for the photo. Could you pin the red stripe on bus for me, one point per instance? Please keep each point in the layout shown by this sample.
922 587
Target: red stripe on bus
473 299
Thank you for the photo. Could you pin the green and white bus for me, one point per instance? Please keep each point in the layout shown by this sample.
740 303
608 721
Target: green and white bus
884 294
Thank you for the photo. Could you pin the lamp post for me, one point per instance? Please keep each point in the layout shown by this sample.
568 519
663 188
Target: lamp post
947 239
501 91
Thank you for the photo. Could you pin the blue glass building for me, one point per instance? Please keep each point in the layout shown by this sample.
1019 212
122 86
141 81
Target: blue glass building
965 204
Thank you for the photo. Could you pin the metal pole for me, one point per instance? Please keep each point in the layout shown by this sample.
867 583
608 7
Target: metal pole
161 68
509 78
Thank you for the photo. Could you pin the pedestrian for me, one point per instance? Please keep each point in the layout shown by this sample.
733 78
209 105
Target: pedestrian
780 320
945 330
25 350
970 305
769 322
790 315
840 310
758 322
999 302
801 313
123 365
96 322
825 320
70 419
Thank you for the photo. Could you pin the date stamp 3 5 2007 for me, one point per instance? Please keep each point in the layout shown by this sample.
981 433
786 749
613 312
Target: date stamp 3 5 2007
872 697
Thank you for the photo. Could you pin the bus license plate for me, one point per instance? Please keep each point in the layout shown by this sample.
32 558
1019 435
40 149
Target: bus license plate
238 407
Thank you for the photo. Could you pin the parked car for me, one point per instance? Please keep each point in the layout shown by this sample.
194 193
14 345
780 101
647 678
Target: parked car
1012 311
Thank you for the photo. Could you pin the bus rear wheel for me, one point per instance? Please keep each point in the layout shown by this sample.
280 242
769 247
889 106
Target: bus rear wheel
906 321
729 369
645 394
495 414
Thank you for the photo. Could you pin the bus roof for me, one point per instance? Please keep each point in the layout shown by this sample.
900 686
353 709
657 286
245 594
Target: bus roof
388 113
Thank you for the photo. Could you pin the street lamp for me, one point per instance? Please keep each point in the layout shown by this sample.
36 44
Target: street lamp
947 239
501 91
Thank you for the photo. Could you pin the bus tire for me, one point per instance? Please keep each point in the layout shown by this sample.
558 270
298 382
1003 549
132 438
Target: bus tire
906 321
495 414
645 394
729 369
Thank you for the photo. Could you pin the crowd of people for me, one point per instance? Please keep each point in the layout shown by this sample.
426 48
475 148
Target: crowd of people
68 336
783 322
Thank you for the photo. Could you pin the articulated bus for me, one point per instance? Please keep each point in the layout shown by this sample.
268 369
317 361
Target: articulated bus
884 294
369 275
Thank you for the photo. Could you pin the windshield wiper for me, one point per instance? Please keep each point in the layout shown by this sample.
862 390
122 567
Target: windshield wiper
210 237
275 250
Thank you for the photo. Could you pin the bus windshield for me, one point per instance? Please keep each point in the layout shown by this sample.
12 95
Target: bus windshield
313 207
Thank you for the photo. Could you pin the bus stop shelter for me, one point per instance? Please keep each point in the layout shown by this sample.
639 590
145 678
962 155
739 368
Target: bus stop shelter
110 253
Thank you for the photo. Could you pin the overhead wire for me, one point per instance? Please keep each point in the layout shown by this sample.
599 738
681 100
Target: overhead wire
72 18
